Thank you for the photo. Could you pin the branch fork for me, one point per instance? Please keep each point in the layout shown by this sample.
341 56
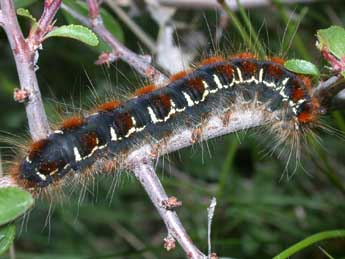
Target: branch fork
44 25
134 60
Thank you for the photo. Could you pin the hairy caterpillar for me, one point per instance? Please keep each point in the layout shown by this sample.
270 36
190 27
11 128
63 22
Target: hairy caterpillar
217 86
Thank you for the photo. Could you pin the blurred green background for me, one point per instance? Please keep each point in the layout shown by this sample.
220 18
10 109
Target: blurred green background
260 210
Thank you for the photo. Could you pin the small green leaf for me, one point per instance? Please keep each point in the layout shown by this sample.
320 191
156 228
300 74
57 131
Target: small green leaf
333 39
77 32
7 234
13 203
26 13
301 66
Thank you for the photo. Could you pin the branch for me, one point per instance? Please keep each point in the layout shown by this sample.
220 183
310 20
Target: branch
1 19
7 181
93 9
45 23
24 58
136 30
119 51
330 92
145 173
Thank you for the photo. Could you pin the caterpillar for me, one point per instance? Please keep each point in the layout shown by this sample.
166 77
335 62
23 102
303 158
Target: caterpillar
217 86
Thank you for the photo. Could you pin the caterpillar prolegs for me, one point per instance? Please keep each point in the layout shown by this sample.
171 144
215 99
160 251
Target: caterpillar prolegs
217 86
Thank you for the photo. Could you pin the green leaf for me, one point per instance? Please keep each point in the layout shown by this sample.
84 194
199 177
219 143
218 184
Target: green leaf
333 39
7 234
26 13
13 203
77 32
301 66
23 3
109 21
310 241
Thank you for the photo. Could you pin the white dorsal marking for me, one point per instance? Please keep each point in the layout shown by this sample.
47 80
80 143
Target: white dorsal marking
261 75
77 154
113 134
188 99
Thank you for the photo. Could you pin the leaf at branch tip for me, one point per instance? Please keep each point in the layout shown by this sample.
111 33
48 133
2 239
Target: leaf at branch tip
332 39
7 234
13 203
301 66
77 32
26 13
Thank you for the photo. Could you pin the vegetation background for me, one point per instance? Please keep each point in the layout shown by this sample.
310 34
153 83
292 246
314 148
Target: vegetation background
260 211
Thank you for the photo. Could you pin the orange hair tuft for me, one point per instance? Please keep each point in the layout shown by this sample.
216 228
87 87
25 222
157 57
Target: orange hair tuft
72 123
211 60
144 90
108 106
244 55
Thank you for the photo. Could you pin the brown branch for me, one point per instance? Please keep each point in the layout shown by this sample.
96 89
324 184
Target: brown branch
330 93
25 63
145 173
45 23
139 63
7 181
136 30
1 19
93 9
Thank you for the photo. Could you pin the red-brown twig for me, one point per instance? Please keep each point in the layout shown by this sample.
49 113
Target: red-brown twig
139 63
145 173
45 23
1 19
24 57
93 9
331 92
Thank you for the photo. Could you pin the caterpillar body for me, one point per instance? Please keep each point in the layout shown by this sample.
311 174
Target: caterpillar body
218 85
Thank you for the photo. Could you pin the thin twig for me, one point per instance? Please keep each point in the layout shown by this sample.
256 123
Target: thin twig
145 173
12 252
93 9
1 19
45 23
137 31
7 181
214 127
139 63
25 63
210 214
330 91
